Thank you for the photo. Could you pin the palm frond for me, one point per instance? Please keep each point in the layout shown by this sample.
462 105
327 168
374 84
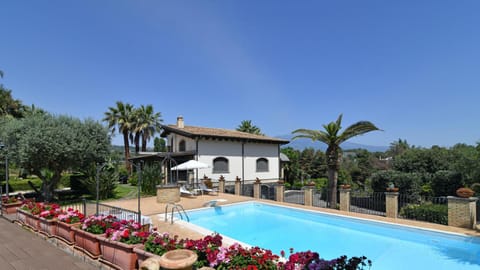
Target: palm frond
357 129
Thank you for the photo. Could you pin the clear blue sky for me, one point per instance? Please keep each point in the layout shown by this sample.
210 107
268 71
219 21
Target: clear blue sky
410 67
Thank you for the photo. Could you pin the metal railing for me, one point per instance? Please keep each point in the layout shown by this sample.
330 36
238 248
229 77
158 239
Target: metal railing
89 208
294 196
247 188
320 198
180 210
267 192
429 209
372 203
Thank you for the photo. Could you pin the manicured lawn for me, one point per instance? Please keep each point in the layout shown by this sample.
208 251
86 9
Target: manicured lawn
125 191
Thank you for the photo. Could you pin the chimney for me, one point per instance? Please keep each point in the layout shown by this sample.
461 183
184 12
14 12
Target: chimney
180 123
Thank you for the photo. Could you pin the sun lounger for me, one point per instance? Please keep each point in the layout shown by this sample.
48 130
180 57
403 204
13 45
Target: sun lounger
184 191
204 189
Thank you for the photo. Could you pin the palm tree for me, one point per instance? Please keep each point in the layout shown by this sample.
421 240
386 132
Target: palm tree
152 123
121 117
247 126
145 124
330 136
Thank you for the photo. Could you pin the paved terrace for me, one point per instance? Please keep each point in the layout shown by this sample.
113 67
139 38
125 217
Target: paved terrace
21 249
150 207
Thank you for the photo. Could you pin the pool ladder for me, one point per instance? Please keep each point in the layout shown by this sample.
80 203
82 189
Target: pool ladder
175 206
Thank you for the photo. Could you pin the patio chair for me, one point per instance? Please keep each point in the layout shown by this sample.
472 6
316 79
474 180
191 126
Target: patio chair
184 191
203 188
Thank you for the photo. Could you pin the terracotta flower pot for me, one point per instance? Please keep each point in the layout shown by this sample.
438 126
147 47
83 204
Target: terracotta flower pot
142 255
11 208
345 186
32 221
87 242
47 227
65 233
22 216
465 192
178 259
394 189
118 254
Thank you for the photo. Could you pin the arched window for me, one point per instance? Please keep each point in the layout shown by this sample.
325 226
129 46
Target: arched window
262 165
220 165
181 146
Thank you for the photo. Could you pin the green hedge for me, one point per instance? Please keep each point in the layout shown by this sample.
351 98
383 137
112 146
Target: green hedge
21 184
435 213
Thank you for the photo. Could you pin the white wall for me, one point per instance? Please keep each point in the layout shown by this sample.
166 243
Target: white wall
190 144
208 150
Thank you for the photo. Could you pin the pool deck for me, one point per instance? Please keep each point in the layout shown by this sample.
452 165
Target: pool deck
155 211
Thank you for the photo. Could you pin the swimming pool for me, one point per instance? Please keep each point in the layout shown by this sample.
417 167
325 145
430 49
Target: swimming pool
389 246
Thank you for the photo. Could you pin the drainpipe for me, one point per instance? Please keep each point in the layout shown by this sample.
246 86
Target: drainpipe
196 157
243 167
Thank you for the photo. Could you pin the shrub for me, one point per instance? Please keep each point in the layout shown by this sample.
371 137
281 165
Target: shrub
132 180
435 213
407 182
151 176
445 183
108 178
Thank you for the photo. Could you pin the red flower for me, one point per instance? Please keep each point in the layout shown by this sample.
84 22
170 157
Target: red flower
126 233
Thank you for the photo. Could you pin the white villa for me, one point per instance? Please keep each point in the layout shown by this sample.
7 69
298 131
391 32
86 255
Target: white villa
228 153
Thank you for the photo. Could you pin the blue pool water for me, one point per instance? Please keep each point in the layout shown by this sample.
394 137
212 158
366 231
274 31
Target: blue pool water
388 246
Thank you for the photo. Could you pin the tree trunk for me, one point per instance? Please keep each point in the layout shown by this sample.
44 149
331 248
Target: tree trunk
137 142
48 186
127 152
332 186
144 144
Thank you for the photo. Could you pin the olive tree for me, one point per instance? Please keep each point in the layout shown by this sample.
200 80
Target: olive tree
54 143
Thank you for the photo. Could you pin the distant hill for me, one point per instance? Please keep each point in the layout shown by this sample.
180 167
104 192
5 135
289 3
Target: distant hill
301 144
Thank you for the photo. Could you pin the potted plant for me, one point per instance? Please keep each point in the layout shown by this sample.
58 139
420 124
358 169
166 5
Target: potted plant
10 204
464 192
156 245
29 214
47 221
65 221
86 235
391 187
24 211
119 241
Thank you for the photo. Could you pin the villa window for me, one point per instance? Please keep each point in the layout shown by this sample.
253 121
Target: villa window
220 165
262 165
181 146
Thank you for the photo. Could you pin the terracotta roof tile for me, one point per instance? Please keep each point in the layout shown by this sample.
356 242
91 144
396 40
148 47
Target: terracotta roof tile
192 131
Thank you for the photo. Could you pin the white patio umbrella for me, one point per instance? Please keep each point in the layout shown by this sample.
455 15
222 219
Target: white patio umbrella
191 165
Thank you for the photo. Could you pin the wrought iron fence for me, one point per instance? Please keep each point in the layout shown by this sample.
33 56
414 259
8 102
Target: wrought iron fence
90 208
247 188
429 209
294 196
372 203
478 211
267 192
321 198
